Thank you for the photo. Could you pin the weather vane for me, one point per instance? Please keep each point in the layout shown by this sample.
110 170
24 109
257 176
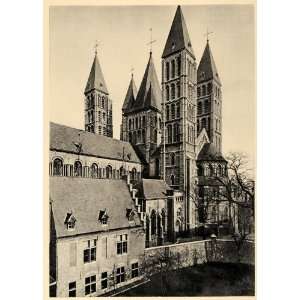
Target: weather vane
151 41
207 34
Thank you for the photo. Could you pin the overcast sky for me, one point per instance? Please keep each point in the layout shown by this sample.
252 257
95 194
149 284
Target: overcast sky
123 34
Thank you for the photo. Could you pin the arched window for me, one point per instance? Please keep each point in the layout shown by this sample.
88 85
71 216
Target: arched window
169 130
173 111
199 107
178 110
172 159
168 112
178 65
139 136
108 170
129 124
206 106
153 222
134 137
173 68
176 136
203 123
57 167
225 214
167 70
178 89
172 91
130 137
172 179
94 171
203 90
121 172
163 220
133 174
167 93
77 169
143 136
144 121
136 122
158 225
209 88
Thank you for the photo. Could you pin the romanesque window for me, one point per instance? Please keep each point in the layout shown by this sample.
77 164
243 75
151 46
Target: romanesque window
178 89
108 171
209 88
167 93
173 111
173 68
57 167
172 91
169 130
78 169
94 171
130 137
178 110
167 70
168 112
178 65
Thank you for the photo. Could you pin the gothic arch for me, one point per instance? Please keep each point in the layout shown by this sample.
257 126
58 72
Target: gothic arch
153 222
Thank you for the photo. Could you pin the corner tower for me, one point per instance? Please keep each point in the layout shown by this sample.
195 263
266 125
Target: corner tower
98 105
209 99
179 105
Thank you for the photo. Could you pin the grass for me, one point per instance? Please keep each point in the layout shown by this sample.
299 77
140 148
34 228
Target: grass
203 280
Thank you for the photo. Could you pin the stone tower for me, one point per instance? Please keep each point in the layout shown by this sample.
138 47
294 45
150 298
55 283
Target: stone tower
179 104
98 105
141 115
209 99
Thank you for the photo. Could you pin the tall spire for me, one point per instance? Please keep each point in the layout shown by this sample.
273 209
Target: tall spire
130 95
149 94
207 69
96 78
178 38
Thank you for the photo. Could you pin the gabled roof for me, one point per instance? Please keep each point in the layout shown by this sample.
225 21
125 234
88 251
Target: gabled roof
149 94
96 78
86 197
207 68
65 139
153 189
210 153
178 38
130 95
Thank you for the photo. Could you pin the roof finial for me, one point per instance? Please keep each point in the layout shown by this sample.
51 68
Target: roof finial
96 47
207 34
151 41
131 70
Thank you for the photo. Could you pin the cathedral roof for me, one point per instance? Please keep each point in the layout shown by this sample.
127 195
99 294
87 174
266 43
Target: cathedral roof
153 189
178 38
130 95
149 94
84 198
96 78
210 153
207 69
66 139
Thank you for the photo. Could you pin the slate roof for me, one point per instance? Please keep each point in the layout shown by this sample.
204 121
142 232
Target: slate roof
149 94
178 38
62 138
153 189
207 68
85 197
210 153
96 78
130 96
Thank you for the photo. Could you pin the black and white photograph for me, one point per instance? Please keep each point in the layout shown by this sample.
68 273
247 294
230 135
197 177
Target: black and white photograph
151 121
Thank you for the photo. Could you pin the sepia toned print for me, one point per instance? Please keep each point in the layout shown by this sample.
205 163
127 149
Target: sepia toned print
151 150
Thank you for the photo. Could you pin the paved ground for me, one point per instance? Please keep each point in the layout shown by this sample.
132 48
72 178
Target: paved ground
202 280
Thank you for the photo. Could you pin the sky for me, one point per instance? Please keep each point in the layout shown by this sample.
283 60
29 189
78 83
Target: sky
123 34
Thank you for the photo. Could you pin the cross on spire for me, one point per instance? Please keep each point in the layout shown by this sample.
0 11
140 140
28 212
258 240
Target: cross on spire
131 70
207 34
96 46
151 41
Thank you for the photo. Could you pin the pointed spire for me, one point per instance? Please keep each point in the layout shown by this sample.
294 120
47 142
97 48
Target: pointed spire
130 95
207 69
178 38
96 78
149 94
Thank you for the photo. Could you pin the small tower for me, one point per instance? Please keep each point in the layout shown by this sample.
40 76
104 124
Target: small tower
209 99
141 115
98 105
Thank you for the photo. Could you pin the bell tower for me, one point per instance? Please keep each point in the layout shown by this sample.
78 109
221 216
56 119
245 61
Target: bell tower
98 105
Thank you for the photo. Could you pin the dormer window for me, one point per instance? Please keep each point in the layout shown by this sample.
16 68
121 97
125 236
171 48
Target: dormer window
70 221
130 214
103 217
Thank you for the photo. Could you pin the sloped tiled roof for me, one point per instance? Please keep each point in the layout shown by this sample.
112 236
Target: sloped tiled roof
96 78
207 68
153 189
149 94
178 38
85 197
209 152
62 138
130 96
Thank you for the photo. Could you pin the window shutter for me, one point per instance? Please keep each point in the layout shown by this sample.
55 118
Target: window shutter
73 254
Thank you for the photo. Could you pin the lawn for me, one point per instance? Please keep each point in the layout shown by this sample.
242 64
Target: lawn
202 280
